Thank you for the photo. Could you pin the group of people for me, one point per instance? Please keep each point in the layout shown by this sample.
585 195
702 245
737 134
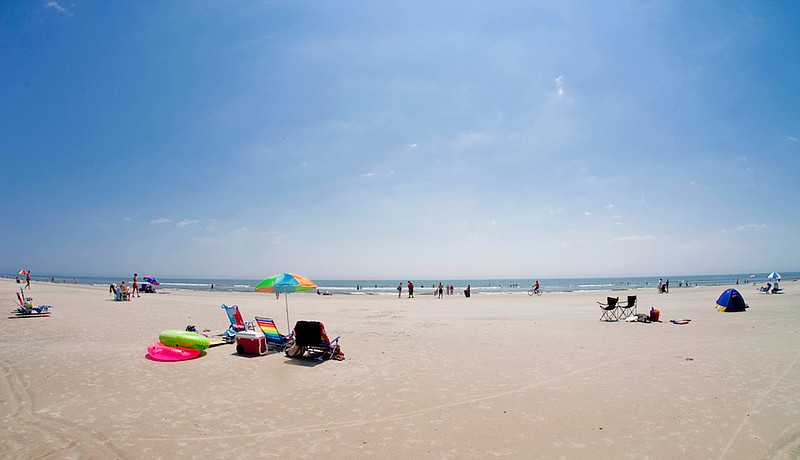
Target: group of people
663 286
27 280
439 291
122 292
770 289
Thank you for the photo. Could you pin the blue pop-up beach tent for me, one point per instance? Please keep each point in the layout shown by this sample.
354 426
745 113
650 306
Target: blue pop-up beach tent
731 300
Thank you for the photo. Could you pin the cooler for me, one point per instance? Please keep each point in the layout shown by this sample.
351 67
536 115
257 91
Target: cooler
251 343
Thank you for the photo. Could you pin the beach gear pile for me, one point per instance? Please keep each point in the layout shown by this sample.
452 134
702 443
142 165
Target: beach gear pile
177 345
27 309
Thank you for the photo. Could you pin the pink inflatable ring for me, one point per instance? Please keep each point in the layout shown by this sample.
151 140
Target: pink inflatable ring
157 351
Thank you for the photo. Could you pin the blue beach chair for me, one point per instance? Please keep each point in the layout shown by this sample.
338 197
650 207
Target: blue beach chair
237 323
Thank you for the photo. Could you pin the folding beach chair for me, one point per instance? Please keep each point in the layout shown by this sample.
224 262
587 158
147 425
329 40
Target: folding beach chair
28 309
237 323
609 308
275 340
310 337
629 307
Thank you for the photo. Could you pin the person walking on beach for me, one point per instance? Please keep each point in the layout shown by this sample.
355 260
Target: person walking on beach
410 290
28 280
666 286
135 288
441 290
660 286
468 291
399 289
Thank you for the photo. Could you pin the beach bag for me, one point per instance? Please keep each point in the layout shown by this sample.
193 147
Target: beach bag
642 318
654 314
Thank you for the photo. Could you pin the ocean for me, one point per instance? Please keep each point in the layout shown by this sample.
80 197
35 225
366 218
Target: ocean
426 286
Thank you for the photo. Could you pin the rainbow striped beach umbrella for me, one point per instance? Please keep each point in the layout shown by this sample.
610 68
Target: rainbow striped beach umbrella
286 283
22 272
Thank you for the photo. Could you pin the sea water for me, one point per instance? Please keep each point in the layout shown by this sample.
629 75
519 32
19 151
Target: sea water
427 286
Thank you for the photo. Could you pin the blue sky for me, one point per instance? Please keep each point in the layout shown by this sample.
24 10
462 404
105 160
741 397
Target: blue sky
409 140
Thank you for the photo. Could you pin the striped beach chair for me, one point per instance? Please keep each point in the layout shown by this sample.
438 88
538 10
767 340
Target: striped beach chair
275 339
237 323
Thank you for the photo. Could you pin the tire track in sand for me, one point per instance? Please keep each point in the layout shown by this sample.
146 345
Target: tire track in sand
72 438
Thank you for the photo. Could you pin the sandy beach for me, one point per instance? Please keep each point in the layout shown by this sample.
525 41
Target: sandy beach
488 376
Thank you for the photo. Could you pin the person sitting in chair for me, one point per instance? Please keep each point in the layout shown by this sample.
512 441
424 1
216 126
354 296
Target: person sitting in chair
125 293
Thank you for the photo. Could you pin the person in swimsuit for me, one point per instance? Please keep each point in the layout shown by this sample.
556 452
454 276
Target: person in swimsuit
135 289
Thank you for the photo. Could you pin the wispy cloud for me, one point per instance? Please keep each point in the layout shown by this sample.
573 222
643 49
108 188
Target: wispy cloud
186 222
560 85
636 238
56 6
161 220
793 139
746 227
587 213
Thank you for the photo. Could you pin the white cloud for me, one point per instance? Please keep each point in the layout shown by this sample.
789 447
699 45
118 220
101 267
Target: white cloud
587 213
413 146
186 222
610 207
560 85
793 139
126 220
56 6
636 238
746 227
161 220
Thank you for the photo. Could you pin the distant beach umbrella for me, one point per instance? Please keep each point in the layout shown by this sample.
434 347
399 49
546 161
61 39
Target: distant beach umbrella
774 276
22 272
752 276
286 283
151 280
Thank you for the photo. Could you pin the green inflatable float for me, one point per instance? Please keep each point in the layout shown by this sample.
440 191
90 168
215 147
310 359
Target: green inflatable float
183 339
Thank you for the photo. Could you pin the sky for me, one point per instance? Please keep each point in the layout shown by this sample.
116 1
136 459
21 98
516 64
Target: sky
382 140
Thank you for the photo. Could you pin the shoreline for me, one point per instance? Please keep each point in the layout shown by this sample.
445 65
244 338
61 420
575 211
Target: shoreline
490 375
425 287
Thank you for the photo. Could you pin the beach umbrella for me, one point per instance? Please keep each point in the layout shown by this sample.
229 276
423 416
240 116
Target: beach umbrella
22 272
774 276
286 283
752 276
151 280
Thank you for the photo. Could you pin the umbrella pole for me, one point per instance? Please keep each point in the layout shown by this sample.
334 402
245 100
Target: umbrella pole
286 299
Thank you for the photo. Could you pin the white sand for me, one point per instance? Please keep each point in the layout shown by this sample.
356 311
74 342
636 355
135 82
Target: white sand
489 376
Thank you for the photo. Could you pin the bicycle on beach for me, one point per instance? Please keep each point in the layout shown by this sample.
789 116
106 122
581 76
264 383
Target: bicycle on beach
534 291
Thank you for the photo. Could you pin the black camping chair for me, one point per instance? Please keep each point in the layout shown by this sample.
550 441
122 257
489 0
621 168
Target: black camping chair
310 336
609 308
629 307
